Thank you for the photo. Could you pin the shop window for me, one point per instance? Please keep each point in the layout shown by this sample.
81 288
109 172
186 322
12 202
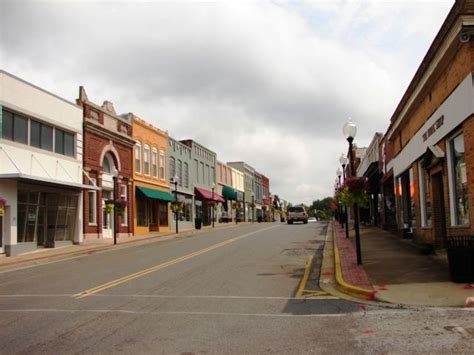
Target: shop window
138 158
186 215
163 210
425 195
459 185
142 211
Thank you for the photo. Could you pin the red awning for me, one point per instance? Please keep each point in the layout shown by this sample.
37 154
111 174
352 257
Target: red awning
207 195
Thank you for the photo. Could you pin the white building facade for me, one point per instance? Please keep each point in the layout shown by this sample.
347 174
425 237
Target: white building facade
40 168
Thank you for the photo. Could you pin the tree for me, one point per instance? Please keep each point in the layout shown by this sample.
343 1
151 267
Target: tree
322 209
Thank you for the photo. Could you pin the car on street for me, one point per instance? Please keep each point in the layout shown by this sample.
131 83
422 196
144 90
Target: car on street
312 220
297 214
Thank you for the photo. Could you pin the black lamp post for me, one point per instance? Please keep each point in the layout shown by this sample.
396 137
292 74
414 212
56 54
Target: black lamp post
213 203
339 208
350 129
253 206
114 192
343 161
175 182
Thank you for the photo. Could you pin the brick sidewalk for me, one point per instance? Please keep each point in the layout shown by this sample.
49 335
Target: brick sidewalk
352 273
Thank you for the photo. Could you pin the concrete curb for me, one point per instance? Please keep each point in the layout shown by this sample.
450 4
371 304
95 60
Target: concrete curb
99 248
344 286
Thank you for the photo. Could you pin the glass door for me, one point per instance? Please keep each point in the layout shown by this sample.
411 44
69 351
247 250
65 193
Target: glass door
107 216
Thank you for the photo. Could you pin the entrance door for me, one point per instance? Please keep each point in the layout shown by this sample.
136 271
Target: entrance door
107 217
154 225
439 216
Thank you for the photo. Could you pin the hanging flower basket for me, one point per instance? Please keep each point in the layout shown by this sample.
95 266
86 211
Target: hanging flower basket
236 206
252 205
109 206
354 191
3 203
120 205
177 207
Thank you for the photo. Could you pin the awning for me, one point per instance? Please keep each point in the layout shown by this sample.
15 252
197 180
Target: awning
432 156
207 195
387 176
35 179
229 193
155 194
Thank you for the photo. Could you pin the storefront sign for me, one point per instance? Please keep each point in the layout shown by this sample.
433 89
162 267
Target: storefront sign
432 129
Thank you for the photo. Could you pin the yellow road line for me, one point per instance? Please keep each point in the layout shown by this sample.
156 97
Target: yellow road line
144 272
304 280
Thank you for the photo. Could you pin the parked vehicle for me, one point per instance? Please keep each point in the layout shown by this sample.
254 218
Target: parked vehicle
297 214
312 219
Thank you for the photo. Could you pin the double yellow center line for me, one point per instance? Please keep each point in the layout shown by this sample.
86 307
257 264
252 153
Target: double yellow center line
144 272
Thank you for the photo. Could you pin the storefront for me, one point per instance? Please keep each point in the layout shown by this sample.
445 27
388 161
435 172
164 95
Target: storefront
41 176
152 210
227 212
205 200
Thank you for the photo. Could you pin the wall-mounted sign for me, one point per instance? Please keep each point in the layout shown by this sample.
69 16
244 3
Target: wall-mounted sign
432 129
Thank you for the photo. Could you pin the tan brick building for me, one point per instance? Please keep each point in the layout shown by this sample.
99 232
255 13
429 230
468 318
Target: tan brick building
151 191
431 137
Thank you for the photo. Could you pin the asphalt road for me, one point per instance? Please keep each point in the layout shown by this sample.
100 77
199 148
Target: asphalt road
224 291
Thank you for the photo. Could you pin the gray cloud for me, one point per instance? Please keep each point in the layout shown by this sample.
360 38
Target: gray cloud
268 84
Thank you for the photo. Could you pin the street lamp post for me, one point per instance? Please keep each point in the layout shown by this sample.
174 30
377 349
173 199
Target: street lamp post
213 203
175 182
350 130
339 208
253 206
343 161
114 192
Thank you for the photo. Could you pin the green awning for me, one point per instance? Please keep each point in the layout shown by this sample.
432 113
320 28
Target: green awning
229 193
155 194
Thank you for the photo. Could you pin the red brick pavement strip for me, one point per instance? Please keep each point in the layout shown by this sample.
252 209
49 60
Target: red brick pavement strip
352 273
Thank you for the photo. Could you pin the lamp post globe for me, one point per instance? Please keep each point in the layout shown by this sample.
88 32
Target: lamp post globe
343 160
349 129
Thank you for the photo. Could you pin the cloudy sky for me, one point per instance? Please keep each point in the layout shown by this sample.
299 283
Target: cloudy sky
267 82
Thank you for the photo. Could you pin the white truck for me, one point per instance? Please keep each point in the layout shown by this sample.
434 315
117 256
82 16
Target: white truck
297 214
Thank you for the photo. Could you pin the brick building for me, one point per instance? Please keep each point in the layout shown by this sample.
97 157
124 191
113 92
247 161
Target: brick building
108 147
431 134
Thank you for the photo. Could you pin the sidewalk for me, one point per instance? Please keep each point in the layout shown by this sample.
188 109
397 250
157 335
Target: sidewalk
394 270
55 254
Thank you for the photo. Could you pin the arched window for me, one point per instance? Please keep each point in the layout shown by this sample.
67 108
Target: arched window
108 163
